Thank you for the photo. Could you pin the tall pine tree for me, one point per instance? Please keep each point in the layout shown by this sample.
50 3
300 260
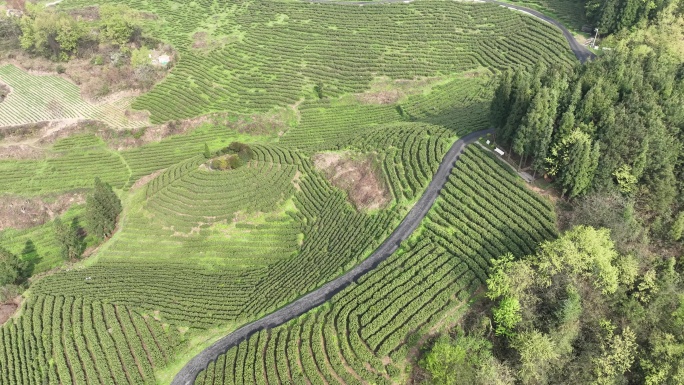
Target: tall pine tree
69 239
102 210
11 268
574 161
501 104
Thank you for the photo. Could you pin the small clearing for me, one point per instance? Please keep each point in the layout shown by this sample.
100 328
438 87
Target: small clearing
144 180
384 90
21 151
22 213
272 123
380 97
357 175
9 308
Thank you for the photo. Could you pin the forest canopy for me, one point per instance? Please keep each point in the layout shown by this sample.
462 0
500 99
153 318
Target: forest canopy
613 125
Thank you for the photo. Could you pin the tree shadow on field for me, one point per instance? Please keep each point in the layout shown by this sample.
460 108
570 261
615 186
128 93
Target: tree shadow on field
31 256
461 120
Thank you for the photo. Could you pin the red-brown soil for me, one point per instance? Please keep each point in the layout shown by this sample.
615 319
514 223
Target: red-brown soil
357 176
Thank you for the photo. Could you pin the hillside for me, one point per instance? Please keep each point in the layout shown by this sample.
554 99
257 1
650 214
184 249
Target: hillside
308 192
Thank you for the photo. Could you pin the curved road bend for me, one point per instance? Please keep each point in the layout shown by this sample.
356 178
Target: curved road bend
319 296
187 375
581 52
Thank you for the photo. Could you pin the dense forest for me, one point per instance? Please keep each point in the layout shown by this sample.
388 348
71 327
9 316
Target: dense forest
576 312
614 15
612 127
604 303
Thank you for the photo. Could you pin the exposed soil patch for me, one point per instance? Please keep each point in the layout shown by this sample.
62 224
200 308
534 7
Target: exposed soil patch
472 74
154 133
98 70
144 180
21 151
9 308
357 175
201 41
256 124
380 97
21 213
28 141
31 140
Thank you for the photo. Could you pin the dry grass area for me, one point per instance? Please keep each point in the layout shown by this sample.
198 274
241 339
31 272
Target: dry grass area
31 141
22 213
21 151
96 81
380 97
384 90
257 124
357 175
146 179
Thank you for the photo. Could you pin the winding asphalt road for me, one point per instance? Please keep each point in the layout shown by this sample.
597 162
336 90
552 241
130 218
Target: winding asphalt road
581 52
319 296
187 375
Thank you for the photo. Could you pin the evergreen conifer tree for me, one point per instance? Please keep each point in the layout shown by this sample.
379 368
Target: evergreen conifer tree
501 104
102 209
574 160
11 267
69 239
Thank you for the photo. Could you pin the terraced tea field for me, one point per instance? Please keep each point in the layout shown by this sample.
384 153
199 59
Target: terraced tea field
570 12
200 252
40 98
364 334
275 52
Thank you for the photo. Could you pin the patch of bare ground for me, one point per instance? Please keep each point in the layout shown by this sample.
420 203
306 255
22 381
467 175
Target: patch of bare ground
64 128
19 134
472 74
21 213
98 70
255 124
8 309
21 151
357 175
380 97
41 134
146 179
25 141
384 90
154 133
296 180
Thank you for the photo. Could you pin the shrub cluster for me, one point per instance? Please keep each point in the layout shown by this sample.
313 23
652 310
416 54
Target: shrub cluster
234 156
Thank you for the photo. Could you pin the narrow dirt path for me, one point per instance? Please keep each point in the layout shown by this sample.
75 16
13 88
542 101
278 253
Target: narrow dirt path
319 296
